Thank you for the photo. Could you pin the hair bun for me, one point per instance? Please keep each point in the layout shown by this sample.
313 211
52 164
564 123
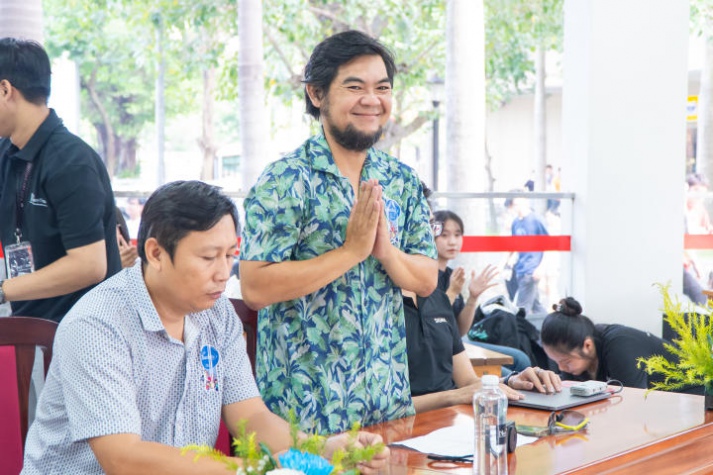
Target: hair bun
568 306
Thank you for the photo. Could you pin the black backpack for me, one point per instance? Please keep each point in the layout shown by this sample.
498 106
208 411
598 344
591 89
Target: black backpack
498 322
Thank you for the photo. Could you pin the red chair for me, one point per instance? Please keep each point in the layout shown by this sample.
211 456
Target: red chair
18 338
249 318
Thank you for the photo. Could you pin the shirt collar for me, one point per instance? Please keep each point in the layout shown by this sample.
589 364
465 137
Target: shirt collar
320 155
38 139
143 303
150 319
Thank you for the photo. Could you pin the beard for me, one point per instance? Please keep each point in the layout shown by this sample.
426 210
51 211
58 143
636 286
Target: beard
350 138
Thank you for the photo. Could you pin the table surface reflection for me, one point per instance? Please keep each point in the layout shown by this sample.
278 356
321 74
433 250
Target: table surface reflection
628 433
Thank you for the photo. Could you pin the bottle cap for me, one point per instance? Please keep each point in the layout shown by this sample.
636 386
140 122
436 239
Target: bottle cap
490 380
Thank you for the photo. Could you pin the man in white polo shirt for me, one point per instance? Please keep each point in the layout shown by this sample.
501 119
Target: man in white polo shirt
150 360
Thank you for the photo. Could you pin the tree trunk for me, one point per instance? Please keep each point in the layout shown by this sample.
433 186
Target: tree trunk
251 91
540 124
160 111
207 140
704 142
21 19
465 106
108 135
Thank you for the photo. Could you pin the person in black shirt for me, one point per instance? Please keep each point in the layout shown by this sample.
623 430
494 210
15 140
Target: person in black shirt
58 226
584 351
440 371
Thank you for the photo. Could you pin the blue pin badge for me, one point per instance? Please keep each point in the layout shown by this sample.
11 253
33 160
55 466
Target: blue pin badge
209 359
393 212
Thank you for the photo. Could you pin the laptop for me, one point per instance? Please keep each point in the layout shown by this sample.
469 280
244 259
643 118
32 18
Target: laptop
556 401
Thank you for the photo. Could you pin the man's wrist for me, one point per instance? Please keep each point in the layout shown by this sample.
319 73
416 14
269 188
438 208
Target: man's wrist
506 379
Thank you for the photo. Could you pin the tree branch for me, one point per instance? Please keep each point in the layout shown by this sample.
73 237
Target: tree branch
406 67
395 133
295 79
330 16
110 145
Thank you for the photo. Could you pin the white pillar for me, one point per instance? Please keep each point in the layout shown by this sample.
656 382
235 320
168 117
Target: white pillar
624 97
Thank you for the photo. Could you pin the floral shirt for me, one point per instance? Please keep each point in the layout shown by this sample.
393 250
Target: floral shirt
336 356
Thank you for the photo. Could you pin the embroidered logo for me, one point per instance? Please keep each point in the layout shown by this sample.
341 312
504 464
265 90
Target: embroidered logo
209 360
393 212
37 201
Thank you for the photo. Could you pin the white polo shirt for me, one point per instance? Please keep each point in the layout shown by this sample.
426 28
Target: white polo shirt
116 370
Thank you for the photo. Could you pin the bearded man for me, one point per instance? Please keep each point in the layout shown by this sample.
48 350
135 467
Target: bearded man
333 232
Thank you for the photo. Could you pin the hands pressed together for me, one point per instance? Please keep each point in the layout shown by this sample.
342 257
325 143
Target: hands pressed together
367 230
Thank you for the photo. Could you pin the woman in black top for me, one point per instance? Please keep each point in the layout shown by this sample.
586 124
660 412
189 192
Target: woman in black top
448 234
584 351
440 371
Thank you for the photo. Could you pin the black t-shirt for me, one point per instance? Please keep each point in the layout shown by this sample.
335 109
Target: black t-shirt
432 339
618 348
69 203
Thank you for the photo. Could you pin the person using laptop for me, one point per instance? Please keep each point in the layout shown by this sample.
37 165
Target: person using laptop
440 371
584 351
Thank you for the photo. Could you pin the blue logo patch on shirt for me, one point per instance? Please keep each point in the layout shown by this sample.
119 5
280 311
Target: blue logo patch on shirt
209 359
393 212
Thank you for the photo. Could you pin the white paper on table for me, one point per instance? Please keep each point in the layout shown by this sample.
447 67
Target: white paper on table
453 441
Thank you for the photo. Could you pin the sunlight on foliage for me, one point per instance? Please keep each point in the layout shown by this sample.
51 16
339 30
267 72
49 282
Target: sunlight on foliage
693 347
306 456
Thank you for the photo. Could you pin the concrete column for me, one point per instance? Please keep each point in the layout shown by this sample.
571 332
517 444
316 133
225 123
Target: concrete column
624 97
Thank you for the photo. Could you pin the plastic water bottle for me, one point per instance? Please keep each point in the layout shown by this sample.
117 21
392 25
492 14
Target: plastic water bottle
490 406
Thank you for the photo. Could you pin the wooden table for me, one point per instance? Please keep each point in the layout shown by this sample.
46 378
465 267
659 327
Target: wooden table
708 294
666 433
486 361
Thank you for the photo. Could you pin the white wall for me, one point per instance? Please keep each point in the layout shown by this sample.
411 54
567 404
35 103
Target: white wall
624 88
511 141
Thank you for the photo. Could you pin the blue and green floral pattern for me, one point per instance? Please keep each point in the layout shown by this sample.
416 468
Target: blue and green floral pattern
338 355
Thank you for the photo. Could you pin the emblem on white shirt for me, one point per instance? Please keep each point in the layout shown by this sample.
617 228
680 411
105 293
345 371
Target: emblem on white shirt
209 360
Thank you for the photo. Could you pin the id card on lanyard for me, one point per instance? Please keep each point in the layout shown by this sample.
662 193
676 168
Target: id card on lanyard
18 257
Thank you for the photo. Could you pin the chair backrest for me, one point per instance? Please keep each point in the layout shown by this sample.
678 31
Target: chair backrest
24 334
249 318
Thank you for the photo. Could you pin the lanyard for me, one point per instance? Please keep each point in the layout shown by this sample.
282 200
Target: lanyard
20 203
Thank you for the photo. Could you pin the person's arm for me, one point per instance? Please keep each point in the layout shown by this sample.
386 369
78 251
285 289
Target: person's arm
81 267
455 284
478 284
264 283
415 272
275 432
468 383
120 454
465 379
127 252
541 380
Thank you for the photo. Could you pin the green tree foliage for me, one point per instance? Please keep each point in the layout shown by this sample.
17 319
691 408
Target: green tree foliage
414 31
513 30
114 45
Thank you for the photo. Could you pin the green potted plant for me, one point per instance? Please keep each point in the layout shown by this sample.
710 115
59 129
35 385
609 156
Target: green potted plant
305 456
692 346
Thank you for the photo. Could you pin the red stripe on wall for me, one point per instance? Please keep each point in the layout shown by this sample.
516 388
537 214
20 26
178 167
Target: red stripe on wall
516 243
537 243
698 241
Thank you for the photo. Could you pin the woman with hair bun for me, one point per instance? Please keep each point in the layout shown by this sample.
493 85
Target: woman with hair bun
584 351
